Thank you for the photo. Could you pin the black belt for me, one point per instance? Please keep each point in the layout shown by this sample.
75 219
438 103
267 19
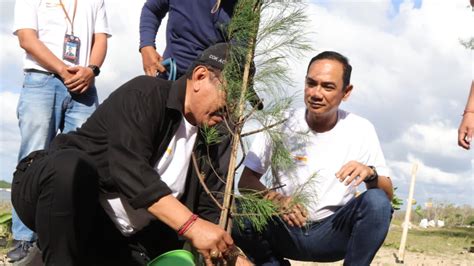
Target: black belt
33 70
28 160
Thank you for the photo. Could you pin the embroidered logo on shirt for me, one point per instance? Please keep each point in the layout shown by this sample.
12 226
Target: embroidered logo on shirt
52 3
301 158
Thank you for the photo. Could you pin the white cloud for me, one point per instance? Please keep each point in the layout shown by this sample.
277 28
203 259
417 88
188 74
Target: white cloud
435 138
9 134
424 173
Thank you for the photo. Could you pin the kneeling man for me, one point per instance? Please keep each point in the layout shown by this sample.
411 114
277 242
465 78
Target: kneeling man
340 151
118 190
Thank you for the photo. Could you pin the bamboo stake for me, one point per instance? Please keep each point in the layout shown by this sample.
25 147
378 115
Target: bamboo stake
224 220
401 251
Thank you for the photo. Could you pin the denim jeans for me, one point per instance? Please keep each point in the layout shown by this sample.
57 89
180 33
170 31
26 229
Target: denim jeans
44 108
354 233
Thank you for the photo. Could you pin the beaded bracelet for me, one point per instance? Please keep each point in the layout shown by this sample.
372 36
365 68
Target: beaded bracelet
185 227
467 111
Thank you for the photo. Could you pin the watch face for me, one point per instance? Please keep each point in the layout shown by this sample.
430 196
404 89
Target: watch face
95 69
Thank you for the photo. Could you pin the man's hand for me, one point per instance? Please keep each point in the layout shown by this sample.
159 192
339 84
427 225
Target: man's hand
151 61
82 79
208 238
293 214
351 170
465 130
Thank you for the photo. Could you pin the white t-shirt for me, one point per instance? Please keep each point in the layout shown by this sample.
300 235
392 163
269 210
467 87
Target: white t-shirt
173 169
49 20
318 156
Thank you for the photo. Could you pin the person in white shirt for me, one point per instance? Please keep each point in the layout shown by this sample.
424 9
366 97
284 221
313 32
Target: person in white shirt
65 43
334 152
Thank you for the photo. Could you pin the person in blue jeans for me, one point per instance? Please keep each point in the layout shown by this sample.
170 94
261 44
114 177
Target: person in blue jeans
333 152
63 53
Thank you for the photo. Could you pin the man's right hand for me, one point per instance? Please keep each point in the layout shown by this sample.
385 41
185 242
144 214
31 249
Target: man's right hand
208 238
151 61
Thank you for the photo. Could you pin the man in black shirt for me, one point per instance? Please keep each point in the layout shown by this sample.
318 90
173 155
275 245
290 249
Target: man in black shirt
130 162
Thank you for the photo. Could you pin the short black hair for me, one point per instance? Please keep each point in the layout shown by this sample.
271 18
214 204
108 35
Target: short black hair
331 55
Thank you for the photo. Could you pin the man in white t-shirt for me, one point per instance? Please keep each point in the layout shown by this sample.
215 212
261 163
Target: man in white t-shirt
334 151
65 43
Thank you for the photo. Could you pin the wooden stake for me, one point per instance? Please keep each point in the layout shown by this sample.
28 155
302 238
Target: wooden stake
401 251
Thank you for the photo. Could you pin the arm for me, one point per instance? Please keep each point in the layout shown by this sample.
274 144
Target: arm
153 12
131 141
358 172
29 41
83 76
204 236
466 127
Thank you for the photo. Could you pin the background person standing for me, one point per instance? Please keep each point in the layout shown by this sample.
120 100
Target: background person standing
65 43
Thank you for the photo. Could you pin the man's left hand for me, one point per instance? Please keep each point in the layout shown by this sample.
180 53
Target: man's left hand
82 79
351 170
293 214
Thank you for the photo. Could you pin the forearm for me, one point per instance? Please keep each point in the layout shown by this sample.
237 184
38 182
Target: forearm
383 183
41 54
170 211
98 50
250 180
470 100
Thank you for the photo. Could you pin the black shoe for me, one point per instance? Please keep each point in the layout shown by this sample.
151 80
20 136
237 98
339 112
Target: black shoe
19 250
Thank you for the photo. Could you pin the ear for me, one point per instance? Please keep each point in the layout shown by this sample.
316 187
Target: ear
199 74
347 92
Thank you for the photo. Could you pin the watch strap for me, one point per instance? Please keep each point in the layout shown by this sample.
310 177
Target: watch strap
372 177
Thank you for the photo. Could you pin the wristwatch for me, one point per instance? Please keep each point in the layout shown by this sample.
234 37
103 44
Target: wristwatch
372 177
95 69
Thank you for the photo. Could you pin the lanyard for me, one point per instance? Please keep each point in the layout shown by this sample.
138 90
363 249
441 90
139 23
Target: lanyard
67 16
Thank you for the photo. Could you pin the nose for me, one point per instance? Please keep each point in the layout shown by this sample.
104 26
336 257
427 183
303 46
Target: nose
214 120
314 92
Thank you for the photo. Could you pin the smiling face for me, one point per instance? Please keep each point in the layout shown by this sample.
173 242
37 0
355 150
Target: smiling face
205 99
324 91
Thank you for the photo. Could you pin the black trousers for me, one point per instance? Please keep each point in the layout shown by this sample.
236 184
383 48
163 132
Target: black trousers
56 195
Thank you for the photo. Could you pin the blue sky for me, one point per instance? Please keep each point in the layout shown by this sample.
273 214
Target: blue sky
411 79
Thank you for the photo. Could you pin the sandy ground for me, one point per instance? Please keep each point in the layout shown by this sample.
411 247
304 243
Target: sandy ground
385 256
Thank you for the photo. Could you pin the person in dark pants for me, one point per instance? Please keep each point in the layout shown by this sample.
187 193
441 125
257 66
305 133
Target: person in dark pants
334 151
118 189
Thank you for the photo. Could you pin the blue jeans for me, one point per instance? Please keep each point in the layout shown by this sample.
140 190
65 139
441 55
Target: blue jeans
354 233
44 108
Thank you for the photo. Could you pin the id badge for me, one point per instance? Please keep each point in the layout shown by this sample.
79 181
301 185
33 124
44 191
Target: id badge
71 48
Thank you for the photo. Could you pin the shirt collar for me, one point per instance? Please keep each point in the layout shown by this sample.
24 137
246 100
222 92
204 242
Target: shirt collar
177 95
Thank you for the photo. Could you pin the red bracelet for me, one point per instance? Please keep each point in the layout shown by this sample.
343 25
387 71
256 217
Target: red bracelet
185 227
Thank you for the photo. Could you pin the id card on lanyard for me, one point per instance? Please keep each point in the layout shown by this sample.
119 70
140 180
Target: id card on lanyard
72 43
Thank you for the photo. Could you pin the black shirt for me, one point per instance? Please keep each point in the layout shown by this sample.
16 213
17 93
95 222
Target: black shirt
127 135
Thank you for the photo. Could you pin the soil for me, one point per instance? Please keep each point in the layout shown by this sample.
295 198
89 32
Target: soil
385 256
